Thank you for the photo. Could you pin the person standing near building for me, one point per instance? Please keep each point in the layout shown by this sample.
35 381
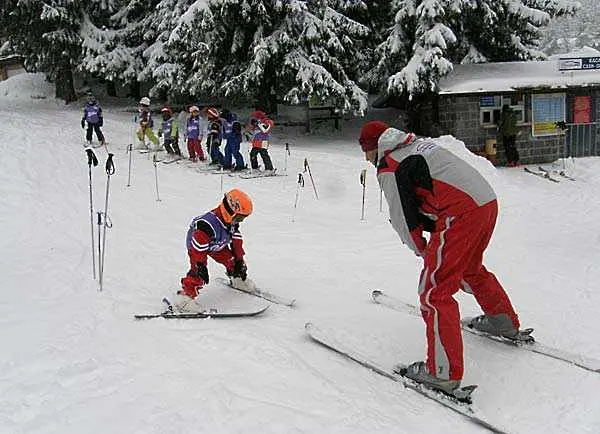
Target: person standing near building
430 189
92 114
508 128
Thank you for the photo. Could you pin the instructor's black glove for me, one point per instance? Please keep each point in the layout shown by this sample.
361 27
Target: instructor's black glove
83 123
100 122
240 269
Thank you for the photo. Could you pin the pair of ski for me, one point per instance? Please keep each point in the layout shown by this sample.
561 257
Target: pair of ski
541 174
460 401
547 174
171 313
560 173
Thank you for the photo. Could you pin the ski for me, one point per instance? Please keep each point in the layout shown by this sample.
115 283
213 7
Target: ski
561 173
261 293
260 174
210 313
330 340
172 160
541 174
564 175
525 342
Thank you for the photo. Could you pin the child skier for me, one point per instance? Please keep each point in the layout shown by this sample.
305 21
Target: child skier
194 135
260 127
232 132
214 135
216 234
92 114
146 123
170 131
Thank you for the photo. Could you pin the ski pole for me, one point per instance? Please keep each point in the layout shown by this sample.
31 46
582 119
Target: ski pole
300 183
363 181
130 152
92 161
287 153
99 222
155 162
110 170
380 200
307 168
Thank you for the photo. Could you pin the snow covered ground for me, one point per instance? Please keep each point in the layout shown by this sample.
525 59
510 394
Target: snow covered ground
73 360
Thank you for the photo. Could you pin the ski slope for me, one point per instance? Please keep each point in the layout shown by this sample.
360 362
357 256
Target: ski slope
73 360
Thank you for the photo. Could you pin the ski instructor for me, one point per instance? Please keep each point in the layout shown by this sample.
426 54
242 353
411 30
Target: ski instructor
430 189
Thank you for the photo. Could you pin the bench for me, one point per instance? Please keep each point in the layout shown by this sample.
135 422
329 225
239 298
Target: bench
321 114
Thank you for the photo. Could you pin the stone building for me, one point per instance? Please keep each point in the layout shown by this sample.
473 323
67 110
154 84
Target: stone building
557 103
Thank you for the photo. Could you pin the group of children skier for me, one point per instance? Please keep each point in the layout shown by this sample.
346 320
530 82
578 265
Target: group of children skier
208 125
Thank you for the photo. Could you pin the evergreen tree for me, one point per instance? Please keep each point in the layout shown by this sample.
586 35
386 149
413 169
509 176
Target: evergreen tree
46 34
428 36
268 51
115 51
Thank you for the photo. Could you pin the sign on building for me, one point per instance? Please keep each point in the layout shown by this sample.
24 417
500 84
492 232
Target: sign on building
578 63
547 109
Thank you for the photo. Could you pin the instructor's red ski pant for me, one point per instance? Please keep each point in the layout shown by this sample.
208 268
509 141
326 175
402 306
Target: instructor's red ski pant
453 260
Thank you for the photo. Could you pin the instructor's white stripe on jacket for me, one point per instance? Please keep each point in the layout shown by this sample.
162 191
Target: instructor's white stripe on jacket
442 363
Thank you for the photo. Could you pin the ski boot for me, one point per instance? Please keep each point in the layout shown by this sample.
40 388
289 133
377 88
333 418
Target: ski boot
419 373
501 326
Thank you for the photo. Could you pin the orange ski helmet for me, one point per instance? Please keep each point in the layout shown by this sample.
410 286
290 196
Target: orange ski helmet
235 206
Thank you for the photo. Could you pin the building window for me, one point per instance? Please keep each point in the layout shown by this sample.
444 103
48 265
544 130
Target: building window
490 107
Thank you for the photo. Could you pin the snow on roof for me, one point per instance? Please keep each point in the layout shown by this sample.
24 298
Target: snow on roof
511 76
581 52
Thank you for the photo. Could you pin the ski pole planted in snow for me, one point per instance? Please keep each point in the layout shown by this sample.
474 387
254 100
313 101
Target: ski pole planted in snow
110 170
99 222
298 186
307 168
380 200
287 153
363 181
155 162
92 161
129 151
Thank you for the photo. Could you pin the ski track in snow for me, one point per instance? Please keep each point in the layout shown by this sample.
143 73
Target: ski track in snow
75 361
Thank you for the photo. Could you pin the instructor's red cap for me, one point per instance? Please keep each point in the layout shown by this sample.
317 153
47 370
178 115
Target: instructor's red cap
370 133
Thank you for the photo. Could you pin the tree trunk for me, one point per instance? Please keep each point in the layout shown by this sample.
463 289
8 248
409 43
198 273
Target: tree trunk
65 89
111 88
134 90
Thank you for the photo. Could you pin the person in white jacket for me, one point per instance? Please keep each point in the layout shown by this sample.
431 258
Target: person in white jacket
430 189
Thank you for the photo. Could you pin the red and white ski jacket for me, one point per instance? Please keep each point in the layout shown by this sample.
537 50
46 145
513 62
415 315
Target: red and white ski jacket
426 184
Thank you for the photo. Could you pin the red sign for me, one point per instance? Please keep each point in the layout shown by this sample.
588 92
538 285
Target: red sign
582 109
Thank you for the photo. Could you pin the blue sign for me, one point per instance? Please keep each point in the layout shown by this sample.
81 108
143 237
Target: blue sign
487 101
